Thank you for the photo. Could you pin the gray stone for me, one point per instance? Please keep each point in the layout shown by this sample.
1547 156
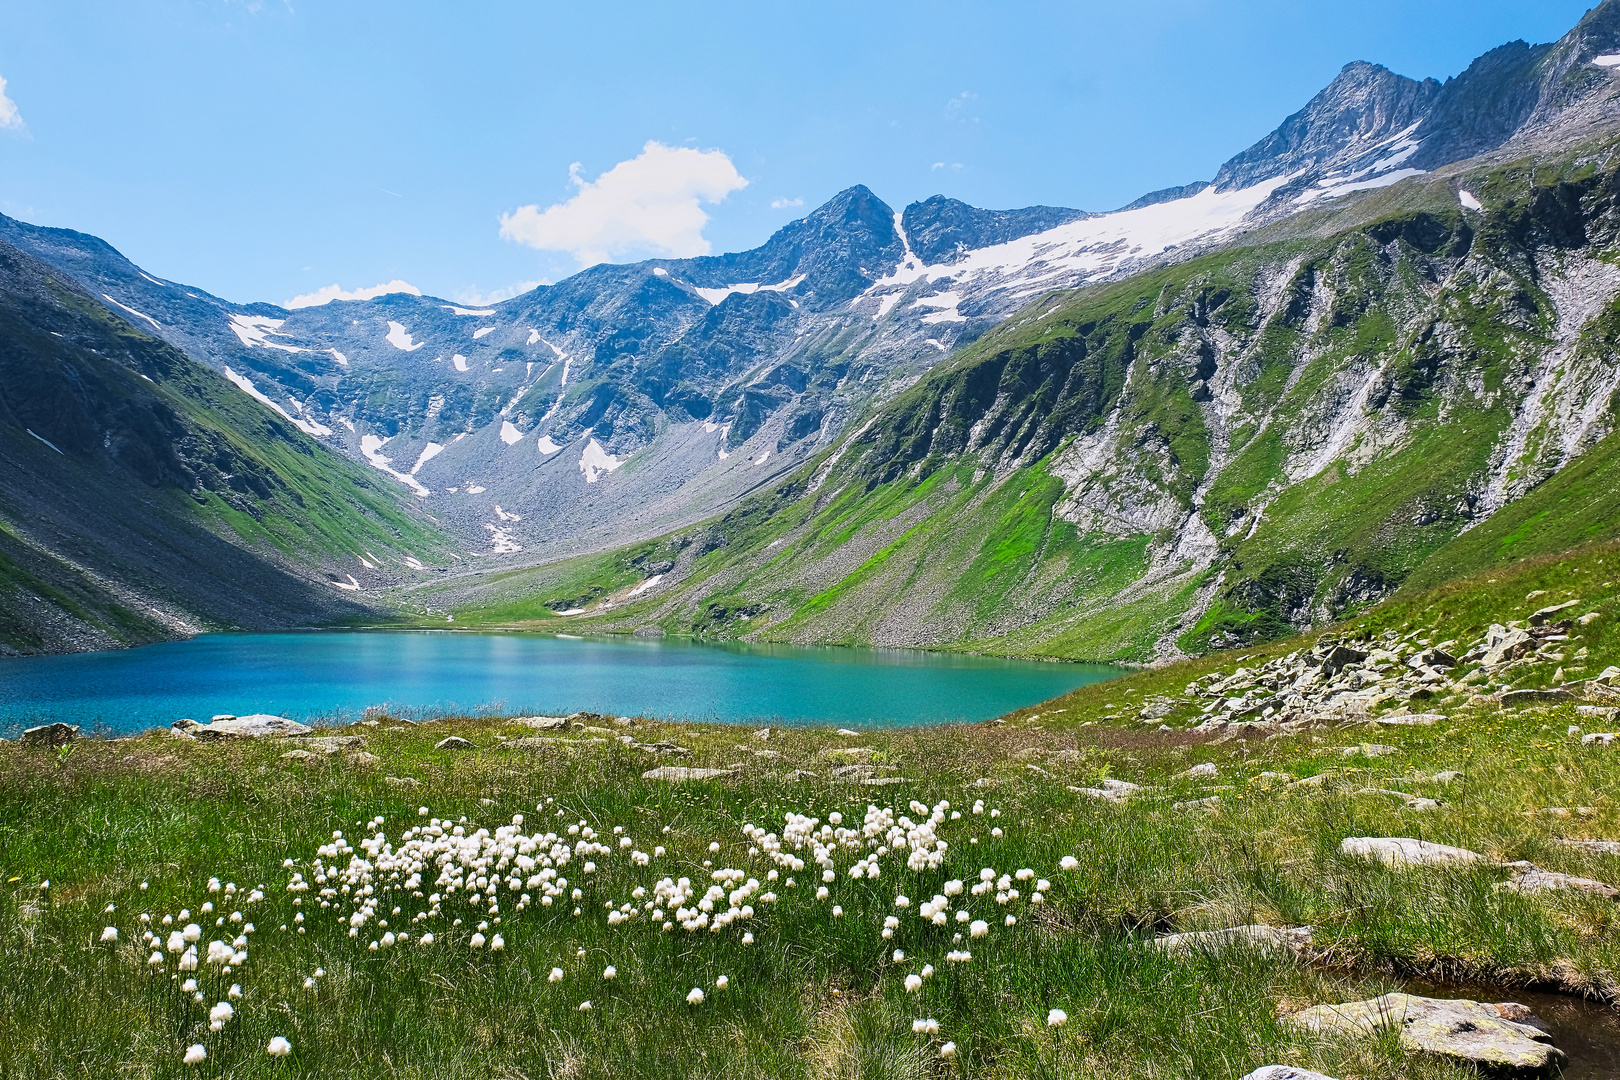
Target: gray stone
257 726
1533 879
50 735
852 772
362 760
885 781
1402 851
453 742
800 774
402 781
1210 804
1544 616
1504 1036
1369 750
1285 1072
333 743
1109 790
1293 939
301 755
1502 645
681 772
845 731
185 724
1595 847
1598 738
545 723
1206 769
1422 719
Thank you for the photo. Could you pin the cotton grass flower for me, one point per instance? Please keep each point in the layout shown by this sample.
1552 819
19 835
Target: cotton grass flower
584 1006
109 934
1057 1018
722 982
476 941
556 975
279 1047
748 938
610 972
219 1015
913 983
1069 862
196 1054
497 943
948 1050
695 997
929 1026
235 991
980 928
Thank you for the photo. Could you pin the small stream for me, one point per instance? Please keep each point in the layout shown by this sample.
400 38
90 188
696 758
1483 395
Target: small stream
1588 1031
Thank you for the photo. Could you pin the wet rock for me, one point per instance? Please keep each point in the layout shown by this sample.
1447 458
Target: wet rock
1295 940
1285 1072
1401 851
677 773
453 742
1503 1037
1511 699
257 726
51 736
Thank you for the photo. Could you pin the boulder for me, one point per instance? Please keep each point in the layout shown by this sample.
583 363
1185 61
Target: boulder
1502 645
1368 750
1545 615
1285 1072
679 773
1197 771
545 723
301 755
1503 1037
362 760
402 781
185 724
257 726
50 735
331 744
1595 847
453 742
1598 738
1293 939
1209 805
1422 719
1401 851
885 781
1533 879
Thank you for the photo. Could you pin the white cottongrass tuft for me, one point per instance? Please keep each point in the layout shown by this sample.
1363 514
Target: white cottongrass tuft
1057 1018
748 938
279 1047
610 972
556 975
948 1050
235 991
929 1026
722 982
219 1014
695 997
497 943
196 1054
109 934
913 983
584 1006
1069 862
476 941
980 928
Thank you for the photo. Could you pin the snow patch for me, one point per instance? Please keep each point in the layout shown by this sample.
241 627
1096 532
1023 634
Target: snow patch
747 288
504 516
596 462
763 458
308 427
364 563
152 279
400 338
1610 60
348 586
509 433
1332 189
645 585
570 611
469 311
481 331
44 440
339 357
255 330
476 489
546 446
710 427
132 311
429 452
660 271
1468 201
460 362
412 562
946 302
501 541
370 445
936 343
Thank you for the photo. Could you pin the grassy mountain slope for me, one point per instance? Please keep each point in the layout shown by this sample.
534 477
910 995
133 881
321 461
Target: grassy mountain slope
144 496
1221 451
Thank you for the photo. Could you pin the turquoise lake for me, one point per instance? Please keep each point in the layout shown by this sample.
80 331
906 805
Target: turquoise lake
336 675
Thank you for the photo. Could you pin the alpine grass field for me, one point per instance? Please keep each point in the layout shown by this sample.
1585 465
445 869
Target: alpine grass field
150 834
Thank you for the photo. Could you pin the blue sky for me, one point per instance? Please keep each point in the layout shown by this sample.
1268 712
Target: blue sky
266 149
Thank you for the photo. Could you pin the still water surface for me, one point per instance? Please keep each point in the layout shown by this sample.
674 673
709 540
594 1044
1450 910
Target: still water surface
337 675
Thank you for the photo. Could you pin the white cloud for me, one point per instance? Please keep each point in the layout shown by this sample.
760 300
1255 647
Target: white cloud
474 298
647 205
783 204
9 116
328 293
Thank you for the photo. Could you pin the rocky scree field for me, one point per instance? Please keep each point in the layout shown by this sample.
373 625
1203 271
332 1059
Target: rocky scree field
610 896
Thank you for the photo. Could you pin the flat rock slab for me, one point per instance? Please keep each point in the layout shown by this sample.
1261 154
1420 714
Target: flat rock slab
885 781
1511 699
333 743
544 723
1293 939
1109 790
1285 1072
301 755
1595 847
257 726
1401 851
1504 1036
1535 880
1419 719
680 772
50 735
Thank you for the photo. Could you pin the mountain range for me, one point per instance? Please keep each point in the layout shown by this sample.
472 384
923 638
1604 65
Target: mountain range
1229 409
